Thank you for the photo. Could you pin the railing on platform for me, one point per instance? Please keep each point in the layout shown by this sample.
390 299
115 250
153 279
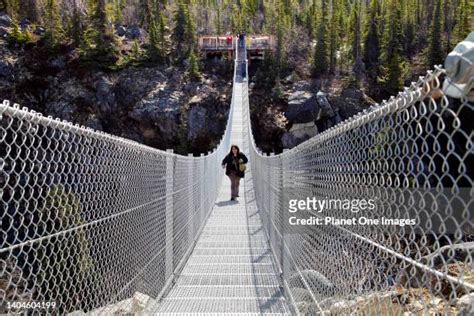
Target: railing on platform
413 155
259 42
216 43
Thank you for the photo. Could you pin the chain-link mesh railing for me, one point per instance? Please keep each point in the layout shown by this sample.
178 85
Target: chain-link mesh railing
89 219
413 155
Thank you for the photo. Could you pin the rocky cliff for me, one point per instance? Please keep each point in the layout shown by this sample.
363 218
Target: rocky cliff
299 109
154 105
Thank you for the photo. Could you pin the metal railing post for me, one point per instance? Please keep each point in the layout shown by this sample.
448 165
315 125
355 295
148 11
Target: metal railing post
169 214
202 191
191 206
284 204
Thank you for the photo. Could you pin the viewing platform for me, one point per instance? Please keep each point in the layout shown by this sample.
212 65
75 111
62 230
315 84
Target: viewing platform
219 46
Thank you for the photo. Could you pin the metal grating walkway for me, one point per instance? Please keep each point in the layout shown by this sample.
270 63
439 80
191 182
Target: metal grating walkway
231 269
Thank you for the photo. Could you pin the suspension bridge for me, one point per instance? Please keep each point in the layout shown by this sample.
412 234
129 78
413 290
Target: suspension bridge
97 224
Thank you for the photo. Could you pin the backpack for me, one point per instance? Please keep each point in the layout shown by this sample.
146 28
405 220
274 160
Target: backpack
242 166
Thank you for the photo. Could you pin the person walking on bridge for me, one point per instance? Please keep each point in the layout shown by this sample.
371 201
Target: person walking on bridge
234 163
241 37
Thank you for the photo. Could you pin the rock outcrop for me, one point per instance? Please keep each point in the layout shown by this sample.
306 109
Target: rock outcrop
153 105
5 20
298 133
302 107
135 32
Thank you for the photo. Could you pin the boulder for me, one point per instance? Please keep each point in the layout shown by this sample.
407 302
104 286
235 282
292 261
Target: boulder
298 133
39 30
304 130
302 107
326 109
324 124
3 31
6 69
105 95
465 305
25 23
120 30
350 102
301 86
5 20
140 302
135 32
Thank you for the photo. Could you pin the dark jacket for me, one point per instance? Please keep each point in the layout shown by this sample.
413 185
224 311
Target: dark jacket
232 164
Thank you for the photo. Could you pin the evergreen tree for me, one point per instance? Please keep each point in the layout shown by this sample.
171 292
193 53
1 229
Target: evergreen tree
279 48
31 9
371 44
321 52
435 52
409 32
357 68
236 19
154 40
143 9
218 20
12 7
103 37
136 53
75 29
269 19
54 32
18 36
309 19
179 32
447 24
184 31
463 26
193 66
392 60
190 31
118 9
334 34
162 34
